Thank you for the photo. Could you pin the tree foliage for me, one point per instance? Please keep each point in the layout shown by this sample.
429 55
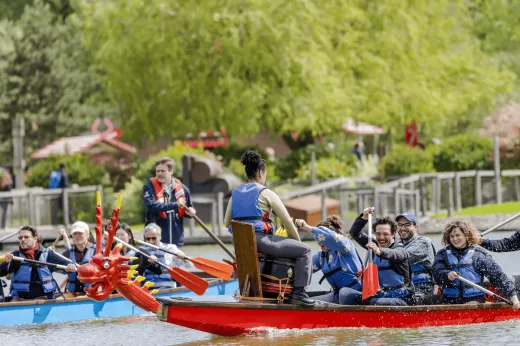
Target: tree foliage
463 152
301 65
46 77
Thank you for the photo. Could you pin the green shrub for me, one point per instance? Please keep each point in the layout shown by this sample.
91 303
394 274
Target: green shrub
78 168
176 152
463 152
297 159
403 160
235 152
326 168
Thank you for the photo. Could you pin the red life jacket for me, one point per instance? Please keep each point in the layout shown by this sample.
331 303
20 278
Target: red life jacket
178 191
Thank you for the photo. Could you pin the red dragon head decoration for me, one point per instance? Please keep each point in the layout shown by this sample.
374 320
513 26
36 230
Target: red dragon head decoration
109 270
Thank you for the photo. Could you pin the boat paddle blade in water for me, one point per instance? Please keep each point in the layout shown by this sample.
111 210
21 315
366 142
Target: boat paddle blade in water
220 270
189 280
370 281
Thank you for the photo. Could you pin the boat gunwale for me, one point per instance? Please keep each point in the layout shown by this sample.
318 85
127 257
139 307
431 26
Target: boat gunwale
338 308
60 300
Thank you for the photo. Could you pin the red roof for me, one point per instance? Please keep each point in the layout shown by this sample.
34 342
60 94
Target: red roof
80 144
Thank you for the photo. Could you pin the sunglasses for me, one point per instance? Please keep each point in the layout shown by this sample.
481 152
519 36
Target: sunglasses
24 237
150 238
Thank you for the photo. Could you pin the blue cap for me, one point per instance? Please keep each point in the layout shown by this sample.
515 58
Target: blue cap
408 216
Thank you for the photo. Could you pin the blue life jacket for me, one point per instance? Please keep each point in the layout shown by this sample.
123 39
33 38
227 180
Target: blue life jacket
245 207
419 273
73 284
21 280
391 283
162 280
55 179
336 276
464 267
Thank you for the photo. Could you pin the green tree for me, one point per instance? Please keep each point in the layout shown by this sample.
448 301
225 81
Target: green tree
296 65
46 78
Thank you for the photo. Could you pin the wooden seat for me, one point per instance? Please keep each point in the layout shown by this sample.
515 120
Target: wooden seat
244 240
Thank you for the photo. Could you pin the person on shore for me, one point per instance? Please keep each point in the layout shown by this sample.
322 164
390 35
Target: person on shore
338 260
462 257
253 203
391 259
508 244
421 253
27 280
81 252
167 201
58 179
149 268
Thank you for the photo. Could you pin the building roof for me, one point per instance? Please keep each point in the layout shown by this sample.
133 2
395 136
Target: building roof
81 144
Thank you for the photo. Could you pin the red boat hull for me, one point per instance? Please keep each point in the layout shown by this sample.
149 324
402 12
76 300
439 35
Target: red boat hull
232 318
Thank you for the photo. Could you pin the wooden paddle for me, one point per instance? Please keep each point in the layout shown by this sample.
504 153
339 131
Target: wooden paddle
220 270
371 274
501 224
21 259
215 238
474 285
190 280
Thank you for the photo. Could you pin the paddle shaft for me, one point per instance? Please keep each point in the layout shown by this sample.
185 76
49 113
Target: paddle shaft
158 248
139 251
8 236
62 257
20 259
370 237
215 238
500 224
478 287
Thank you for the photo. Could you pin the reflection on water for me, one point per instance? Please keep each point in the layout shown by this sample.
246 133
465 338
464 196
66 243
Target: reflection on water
148 330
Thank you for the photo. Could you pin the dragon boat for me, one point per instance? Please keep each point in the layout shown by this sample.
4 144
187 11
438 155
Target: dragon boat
84 308
258 305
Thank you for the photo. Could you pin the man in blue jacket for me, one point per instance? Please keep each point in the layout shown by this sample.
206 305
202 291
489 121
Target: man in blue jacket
167 201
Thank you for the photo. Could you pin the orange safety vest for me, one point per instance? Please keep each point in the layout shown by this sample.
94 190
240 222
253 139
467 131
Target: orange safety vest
178 191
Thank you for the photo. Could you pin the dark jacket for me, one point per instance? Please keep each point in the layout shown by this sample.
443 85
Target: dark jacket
35 289
483 264
396 254
503 245
153 207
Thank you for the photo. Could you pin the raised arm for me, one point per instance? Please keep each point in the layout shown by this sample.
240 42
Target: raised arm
332 240
503 245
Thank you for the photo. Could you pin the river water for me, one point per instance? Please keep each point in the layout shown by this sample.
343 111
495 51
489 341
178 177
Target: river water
148 330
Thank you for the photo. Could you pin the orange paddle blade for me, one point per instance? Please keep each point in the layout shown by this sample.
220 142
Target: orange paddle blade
220 270
189 280
370 281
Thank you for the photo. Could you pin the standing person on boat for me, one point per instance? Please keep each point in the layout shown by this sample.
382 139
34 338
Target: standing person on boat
508 244
338 260
81 252
421 253
29 281
167 201
148 266
472 262
253 203
391 259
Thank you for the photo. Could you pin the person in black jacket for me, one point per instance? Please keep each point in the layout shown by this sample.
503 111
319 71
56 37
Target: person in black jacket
391 258
462 257
500 245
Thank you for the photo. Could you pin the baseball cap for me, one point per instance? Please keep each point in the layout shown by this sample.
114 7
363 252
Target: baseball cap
79 226
408 216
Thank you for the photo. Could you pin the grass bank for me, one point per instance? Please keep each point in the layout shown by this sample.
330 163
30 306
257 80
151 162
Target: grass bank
504 208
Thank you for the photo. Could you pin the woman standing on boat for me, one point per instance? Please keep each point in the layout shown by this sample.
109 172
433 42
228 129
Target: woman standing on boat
338 260
81 252
253 203
461 256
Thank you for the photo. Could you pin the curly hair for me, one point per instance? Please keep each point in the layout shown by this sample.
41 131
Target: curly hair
385 221
253 163
465 227
334 223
